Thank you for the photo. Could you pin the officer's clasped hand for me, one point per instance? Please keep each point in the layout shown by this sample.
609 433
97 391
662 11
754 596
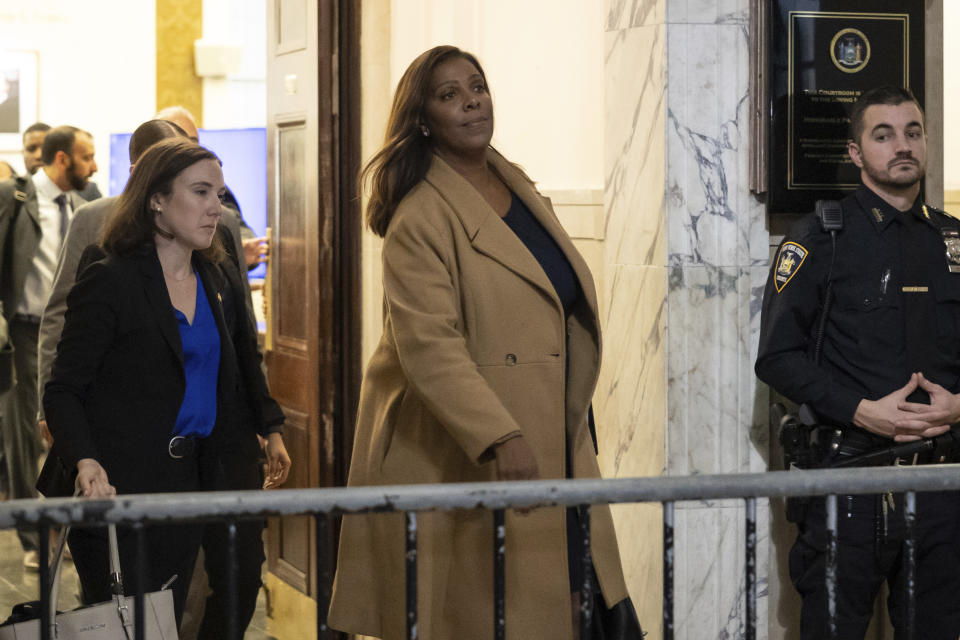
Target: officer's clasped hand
893 417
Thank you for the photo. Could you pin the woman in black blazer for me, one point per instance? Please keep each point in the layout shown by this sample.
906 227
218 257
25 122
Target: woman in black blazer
156 386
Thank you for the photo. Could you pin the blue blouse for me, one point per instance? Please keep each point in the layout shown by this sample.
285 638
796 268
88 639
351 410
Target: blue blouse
201 366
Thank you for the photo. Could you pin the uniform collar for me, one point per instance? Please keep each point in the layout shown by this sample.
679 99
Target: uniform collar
880 213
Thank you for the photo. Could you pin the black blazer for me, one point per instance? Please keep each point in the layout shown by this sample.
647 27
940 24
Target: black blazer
118 379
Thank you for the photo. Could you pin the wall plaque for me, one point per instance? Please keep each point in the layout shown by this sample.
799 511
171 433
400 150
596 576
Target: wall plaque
824 54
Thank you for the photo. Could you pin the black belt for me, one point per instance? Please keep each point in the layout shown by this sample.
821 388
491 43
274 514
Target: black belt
26 317
182 446
857 447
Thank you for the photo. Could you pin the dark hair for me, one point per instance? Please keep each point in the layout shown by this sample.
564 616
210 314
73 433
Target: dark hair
132 224
58 139
405 157
36 126
150 132
886 94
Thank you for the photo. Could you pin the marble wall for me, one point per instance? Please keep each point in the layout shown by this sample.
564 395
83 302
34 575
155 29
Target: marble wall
631 397
686 262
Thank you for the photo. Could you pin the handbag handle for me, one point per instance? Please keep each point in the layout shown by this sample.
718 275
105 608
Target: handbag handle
116 576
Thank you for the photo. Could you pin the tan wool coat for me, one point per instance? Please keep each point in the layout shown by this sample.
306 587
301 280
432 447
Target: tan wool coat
475 347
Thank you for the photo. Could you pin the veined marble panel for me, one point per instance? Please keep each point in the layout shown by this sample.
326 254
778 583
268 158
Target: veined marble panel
630 409
712 217
623 14
709 570
630 402
708 11
634 160
640 536
714 422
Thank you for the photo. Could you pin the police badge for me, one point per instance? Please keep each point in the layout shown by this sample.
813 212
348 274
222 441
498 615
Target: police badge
789 260
951 238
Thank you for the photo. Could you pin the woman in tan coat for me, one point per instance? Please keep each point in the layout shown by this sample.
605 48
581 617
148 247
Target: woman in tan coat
485 371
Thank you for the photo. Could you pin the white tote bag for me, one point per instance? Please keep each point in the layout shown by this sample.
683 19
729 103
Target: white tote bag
111 620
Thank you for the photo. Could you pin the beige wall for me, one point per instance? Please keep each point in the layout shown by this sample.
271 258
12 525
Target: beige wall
90 73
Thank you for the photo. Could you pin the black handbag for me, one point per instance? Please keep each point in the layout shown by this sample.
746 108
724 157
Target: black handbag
616 623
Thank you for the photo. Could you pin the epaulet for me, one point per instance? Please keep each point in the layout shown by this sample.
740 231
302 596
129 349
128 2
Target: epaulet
928 209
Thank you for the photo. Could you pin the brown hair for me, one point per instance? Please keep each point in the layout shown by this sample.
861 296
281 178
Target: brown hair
132 224
58 139
405 157
887 94
150 132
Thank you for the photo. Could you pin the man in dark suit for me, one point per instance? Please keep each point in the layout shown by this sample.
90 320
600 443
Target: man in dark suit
34 216
33 138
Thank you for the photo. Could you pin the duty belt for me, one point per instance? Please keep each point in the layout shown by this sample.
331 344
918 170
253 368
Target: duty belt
857 448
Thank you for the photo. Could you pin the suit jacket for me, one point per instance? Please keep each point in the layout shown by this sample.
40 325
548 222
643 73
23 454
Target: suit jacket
118 379
85 230
475 346
26 239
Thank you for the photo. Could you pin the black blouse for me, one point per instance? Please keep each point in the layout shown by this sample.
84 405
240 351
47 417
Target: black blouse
547 252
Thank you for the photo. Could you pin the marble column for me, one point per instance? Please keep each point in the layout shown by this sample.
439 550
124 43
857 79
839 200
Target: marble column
686 261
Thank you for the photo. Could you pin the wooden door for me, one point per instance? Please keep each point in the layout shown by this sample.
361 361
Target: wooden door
313 340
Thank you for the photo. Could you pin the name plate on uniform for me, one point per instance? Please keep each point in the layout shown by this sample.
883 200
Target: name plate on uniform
824 54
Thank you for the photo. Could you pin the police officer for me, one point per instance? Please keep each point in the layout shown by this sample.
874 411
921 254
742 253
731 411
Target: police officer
888 369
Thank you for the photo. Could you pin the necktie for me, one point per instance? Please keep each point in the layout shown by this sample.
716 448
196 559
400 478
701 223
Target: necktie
61 201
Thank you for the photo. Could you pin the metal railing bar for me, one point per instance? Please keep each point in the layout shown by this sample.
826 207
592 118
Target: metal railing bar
586 563
910 548
321 529
43 534
499 575
668 515
411 523
750 574
831 566
232 570
140 600
488 495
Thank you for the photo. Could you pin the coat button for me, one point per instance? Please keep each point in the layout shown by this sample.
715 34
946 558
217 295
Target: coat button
511 359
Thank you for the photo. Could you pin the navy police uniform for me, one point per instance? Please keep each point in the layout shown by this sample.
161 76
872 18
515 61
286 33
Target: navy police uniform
895 310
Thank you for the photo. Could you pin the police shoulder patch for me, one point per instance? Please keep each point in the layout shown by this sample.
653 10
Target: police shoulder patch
789 260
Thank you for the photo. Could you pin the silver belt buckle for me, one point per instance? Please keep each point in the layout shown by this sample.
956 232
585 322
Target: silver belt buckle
170 446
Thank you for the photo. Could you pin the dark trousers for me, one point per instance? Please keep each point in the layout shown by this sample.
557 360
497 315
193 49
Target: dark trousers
21 442
871 551
234 473
171 551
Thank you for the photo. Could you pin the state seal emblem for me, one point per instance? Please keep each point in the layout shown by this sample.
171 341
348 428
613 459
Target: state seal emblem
850 50
789 260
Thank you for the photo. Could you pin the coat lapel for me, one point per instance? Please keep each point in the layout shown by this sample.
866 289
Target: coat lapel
156 291
543 211
487 231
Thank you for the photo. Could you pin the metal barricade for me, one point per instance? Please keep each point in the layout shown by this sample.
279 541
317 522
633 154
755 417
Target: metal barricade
323 504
